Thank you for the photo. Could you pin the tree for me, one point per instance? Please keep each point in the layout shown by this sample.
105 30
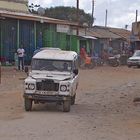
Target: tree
67 13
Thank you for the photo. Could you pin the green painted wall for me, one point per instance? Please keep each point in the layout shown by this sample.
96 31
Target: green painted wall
74 44
33 35
8 42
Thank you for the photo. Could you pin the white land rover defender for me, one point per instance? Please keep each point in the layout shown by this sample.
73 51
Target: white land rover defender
53 78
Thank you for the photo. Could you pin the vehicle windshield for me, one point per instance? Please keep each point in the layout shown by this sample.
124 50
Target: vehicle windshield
51 65
137 53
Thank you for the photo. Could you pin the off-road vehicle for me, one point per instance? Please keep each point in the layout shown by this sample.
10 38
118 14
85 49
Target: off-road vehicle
53 78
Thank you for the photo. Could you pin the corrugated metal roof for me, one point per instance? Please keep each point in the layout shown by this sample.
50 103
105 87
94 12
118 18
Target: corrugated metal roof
88 32
28 16
121 32
13 6
105 33
114 33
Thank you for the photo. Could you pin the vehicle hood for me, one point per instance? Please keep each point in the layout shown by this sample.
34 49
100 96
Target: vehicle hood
51 75
134 57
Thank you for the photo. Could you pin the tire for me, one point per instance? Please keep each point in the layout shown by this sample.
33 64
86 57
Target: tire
66 106
138 66
28 104
73 100
100 63
115 64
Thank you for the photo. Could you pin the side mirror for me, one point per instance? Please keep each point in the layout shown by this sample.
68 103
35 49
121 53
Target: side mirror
26 70
75 71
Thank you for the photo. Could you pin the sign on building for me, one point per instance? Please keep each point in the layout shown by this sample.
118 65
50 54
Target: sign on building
66 29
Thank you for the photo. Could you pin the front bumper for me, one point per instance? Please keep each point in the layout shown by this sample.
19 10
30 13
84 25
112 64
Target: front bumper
133 63
47 98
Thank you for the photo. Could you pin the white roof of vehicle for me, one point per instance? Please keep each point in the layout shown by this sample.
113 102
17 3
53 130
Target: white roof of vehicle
55 55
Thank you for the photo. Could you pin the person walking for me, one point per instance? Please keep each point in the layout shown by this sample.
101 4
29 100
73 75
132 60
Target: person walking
20 53
83 55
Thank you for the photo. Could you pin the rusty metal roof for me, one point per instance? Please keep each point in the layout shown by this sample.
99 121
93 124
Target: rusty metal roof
88 32
121 32
104 32
109 32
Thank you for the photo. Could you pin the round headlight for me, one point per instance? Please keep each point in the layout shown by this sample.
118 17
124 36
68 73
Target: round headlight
31 86
63 88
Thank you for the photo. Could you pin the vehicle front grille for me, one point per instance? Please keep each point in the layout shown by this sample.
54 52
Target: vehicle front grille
47 85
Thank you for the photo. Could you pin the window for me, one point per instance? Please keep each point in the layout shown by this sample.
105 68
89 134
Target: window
51 65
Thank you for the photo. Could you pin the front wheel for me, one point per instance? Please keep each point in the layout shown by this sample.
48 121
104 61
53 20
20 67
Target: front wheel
115 64
28 104
66 106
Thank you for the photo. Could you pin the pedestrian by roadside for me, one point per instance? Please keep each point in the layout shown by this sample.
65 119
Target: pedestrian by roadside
83 52
21 53
83 55
15 60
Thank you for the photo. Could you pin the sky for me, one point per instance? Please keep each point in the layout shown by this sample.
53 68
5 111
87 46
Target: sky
119 12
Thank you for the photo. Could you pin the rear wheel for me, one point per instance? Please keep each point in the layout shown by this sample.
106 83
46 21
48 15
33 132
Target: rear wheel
28 104
66 106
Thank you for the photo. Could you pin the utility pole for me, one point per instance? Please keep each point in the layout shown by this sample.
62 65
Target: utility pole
136 16
78 17
106 18
92 13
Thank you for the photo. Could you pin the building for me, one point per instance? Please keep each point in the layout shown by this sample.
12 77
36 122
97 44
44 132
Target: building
111 37
18 26
135 36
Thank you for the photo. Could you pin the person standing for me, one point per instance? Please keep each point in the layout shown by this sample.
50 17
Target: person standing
83 55
20 53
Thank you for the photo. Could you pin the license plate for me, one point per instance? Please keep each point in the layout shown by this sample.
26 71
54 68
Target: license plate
46 93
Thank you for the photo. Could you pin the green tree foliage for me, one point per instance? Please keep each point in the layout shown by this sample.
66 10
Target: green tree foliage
67 13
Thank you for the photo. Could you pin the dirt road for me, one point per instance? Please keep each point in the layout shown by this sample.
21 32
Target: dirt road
104 108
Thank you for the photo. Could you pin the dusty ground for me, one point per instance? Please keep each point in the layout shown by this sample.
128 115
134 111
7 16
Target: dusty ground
104 108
